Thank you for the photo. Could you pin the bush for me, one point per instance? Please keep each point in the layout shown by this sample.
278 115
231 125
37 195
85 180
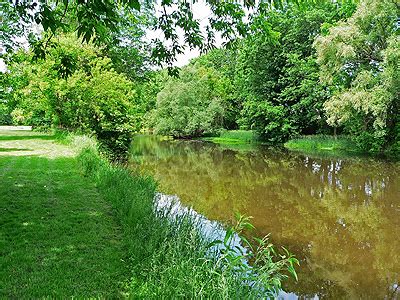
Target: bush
85 95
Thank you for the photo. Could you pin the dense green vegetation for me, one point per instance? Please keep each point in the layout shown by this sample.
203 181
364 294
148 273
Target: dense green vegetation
360 60
323 68
192 105
303 70
322 143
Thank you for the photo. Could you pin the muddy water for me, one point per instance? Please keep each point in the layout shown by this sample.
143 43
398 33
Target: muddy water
340 216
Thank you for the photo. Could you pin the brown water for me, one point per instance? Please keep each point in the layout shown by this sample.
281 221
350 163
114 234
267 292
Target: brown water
339 216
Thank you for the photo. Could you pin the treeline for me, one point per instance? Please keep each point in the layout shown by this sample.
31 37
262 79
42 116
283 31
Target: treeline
332 68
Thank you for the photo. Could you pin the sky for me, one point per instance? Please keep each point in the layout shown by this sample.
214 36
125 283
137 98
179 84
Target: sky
201 12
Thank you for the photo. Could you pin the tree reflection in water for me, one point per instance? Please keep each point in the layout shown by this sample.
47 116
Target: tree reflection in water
341 217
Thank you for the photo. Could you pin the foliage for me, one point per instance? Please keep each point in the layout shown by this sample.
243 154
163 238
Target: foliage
264 274
95 19
10 28
169 254
224 61
269 82
92 98
193 104
127 47
277 74
360 58
5 116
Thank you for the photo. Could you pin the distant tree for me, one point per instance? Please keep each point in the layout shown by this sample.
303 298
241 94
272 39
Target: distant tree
224 62
193 104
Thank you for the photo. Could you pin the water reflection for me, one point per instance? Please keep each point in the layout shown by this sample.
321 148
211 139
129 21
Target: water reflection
339 216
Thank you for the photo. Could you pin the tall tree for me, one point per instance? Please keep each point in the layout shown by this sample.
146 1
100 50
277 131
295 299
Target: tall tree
360 59
277 74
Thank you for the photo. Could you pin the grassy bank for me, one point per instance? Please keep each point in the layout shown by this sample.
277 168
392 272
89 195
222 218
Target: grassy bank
233 137
322 143
169 256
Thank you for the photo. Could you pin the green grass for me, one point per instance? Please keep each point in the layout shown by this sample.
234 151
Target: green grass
322 143
58 236
237 137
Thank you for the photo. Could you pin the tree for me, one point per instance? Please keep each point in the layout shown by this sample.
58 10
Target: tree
92 98
360 58
96 18
129 51
193 104
277 76
224 62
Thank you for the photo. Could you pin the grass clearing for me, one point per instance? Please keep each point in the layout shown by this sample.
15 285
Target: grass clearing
58 237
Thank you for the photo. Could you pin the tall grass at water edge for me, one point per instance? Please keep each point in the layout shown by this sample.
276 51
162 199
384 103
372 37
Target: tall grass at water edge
316 143
233 137
170 257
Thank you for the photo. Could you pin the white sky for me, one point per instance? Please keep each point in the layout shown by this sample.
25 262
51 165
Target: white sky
201 12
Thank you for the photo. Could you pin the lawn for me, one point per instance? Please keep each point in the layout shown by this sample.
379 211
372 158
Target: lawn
58 236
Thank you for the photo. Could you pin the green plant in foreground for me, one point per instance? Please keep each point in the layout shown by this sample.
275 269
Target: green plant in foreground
257 263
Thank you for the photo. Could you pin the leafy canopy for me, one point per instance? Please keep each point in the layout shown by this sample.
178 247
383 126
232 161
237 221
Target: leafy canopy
193 104
95 19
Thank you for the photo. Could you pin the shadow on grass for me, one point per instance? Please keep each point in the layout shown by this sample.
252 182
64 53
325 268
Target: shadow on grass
14 149
48 205
26 137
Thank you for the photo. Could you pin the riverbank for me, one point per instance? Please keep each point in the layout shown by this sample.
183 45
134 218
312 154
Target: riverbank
322 143
78 226
340 146
238 137
170 254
